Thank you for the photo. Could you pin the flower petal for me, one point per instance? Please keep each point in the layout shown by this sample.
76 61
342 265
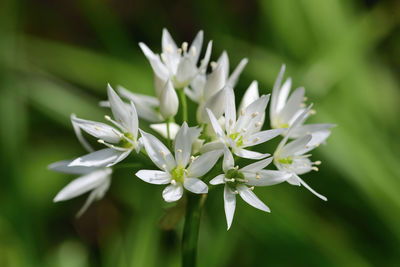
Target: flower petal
98 130
154 177
292 105
96 194
172 192
195 185
230 110
183 146
229 205
228 162
98 158
161 128
215 82
186 71
79 135
247 195
250 95
266 177
275 93
256 166
215 124
158 152
195 47
295 147
83 184
206 59
236 73
211 146
158 67
63 166
219 179
248 154
310 189
203 163
261 137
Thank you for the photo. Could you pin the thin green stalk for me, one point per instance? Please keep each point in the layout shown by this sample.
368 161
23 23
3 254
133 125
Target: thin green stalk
168 134
191 229
184 104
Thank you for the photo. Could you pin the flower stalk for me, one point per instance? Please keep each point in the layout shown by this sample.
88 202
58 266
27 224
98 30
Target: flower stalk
184 105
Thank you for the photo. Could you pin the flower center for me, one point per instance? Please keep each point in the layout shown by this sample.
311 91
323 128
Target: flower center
234 136
287 160
125 141
236 178
178 174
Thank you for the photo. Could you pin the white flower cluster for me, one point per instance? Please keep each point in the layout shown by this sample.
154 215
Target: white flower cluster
222 132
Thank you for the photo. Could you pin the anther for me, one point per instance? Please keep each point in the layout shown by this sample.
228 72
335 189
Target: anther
162 153
192 158
302 105
193 50
307 147
318 162
107 117
233 180
230 122
179 150
255 114
305 98
179 51
244 130
173 182
317 144
242 112
96 128
251 188
314 168
235 192
163 57
236 167
258 176
184 46
213 64
169 48
101 141
256 140
164 166
257 124
312 111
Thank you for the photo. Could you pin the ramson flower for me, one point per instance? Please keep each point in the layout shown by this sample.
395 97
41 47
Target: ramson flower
94 180
204 88
237 181
179 171
284 110
292 158
121 140
179 65
245 130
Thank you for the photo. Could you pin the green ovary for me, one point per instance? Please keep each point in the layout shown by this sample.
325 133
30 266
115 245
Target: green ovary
125 143
233 136
287 160
235 174
178 174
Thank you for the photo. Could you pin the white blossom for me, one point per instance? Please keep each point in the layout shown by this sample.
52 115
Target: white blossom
94 180
244 130
179 171
237 181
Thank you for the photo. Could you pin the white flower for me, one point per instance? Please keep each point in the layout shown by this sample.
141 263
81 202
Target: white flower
285 110
169 102
237 181
292 158
245 130
96 180
181 171
178 65
120 140
204 88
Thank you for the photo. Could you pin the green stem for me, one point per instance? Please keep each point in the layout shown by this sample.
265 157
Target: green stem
168 134
184 104
191 229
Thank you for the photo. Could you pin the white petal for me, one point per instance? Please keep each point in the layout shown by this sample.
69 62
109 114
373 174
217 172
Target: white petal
185 73
228 162
250 95
183 146
161 128
158 67
292 105
98 130
196 46
214 145
207 55
310 129
215 82
266 177
172 193
167 42
223 62
295 147
195 185
154 177
247 154
125 116
256 166
301 166
283 94
236 73
276 93
215 124
158 152
169 102
218 179
247 195
120 157
230 110
261 137
83 184
229 205
79 135
253 113
203 163
96 194
311 190
63 166
98 158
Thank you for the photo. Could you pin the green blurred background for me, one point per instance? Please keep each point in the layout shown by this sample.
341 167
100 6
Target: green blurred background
56 58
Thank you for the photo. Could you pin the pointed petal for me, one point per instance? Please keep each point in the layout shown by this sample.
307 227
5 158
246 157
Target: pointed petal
310 129
214 145
120 157
215 124
79 135
228 162
216 104
229 205
186 71
253 113
154 177
264 136
195 185
283 94
98 130
96 194
183 146
215 82
236 73
158 67
83 184
256 166
203 163
247 195
167 42
250 95
310 189
195 47
275 93
230 110
158 152
295 147
172 193
169 102
266 177
98 158
292 105
161 128
206 59
218 180
63 166
247 154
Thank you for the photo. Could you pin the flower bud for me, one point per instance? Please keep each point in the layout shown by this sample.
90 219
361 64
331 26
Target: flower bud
169 102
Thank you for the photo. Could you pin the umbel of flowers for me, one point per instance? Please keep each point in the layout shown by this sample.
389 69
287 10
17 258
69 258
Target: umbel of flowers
195 158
